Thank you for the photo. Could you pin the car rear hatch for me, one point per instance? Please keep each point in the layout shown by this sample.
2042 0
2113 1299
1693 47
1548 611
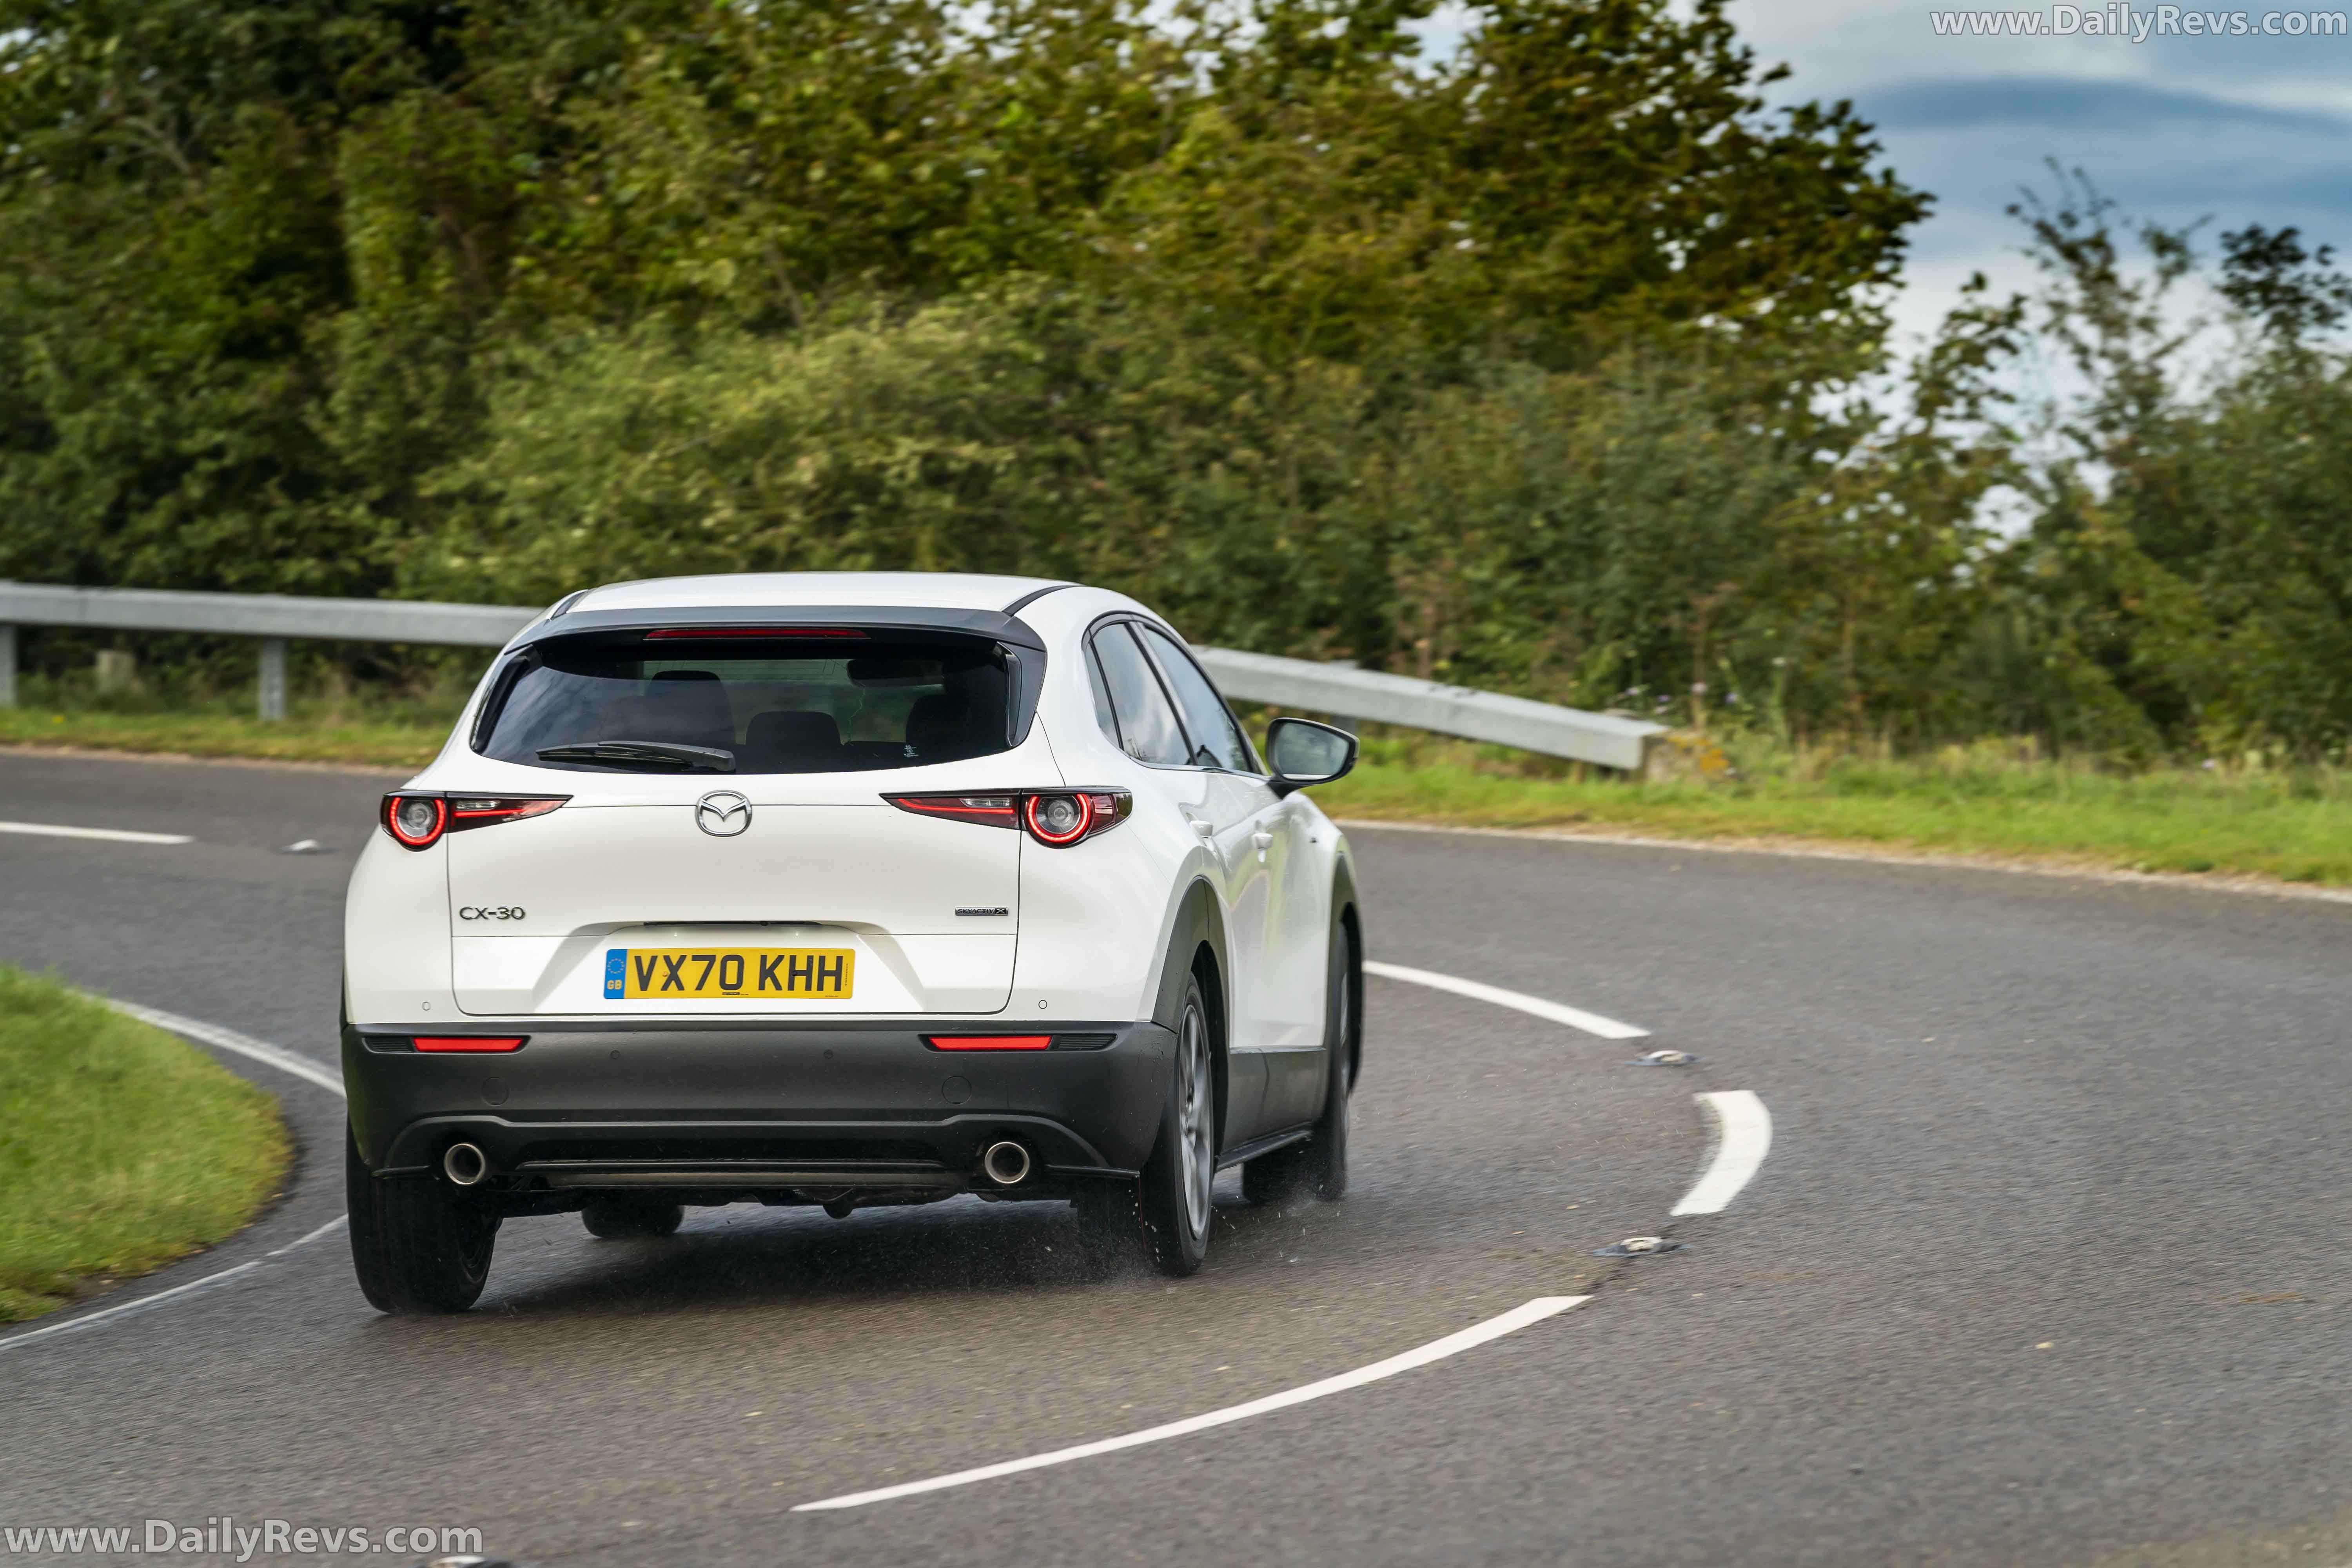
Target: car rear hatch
726 849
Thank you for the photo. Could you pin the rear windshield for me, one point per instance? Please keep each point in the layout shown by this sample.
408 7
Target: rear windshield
822 708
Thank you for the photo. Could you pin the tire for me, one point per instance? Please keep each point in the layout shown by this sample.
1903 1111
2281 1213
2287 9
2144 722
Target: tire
620 1217
417 1245
1319 1167
1163 1220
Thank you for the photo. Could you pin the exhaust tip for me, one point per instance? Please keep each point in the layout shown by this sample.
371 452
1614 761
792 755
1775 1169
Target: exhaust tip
465 1164
1006 1163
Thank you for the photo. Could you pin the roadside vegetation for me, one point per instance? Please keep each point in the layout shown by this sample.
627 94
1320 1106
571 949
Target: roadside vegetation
2249 815
1995 800
371 729
121 1148
1560 366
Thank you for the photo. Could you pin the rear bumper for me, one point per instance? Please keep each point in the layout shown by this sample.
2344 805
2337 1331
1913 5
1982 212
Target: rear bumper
755 1107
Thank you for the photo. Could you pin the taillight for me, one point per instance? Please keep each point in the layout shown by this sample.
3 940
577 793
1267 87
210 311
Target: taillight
483 811
469 1042
1056 818
991 1042
990 810
418 821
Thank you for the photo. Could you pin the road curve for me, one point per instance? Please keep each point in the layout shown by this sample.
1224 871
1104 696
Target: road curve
2047 1263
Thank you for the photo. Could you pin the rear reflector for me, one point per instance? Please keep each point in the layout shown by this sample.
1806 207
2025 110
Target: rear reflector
989 1042
668 632
469 1042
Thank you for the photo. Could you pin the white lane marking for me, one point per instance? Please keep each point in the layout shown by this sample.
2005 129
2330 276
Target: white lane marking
1574 1017
107 1314
1744 1135
278 1057
118 834
1494 1328
262 1051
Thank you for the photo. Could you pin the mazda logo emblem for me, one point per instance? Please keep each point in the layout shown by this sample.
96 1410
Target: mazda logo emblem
723 814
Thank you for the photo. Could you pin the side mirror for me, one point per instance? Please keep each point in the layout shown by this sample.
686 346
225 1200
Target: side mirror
1302 752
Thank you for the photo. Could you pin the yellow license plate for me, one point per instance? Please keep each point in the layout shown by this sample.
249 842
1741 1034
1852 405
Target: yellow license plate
684 974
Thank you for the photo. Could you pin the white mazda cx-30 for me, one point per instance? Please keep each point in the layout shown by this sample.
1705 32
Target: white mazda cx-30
843 890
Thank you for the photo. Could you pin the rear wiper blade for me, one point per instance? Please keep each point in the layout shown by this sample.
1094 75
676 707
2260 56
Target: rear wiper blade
642 753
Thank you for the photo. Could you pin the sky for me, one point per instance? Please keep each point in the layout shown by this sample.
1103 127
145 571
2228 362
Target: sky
2242 129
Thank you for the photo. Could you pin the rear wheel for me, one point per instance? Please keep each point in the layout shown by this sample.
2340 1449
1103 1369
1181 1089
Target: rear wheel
416 1244
626 1214
1164 1217
1319 1166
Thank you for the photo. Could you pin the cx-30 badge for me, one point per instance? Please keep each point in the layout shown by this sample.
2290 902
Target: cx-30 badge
723 814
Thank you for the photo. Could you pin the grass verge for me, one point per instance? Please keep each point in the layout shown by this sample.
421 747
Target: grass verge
120 1147
2296 827
372 740
2293 825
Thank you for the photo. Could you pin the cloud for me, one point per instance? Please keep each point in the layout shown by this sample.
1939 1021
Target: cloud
2075 101
2240 129
1841 47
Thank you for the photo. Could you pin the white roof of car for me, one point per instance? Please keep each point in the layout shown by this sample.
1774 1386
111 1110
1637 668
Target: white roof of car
924 590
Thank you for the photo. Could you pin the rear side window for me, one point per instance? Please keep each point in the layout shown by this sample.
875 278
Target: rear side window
1148 730
1103 714
831 707
1205 716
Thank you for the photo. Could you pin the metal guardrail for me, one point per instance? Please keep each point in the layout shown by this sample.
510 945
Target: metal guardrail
1294 684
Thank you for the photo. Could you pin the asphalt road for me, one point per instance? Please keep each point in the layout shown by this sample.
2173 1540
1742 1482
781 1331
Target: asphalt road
2048 1264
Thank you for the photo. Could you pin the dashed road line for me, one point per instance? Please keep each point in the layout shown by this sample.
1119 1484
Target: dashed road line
1479 991
1493 1328
177 1292
1743 1137
114 835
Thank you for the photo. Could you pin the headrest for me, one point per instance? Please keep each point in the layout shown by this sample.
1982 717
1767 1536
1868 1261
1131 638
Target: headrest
687 702
937 723
788 741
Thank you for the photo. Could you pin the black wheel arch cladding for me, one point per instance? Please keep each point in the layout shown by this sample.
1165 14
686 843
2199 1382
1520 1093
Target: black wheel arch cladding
1198 925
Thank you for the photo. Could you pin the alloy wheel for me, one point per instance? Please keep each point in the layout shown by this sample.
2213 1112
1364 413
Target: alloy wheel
1196 1120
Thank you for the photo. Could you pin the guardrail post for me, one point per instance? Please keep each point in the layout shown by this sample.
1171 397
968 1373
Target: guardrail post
273 681
7 666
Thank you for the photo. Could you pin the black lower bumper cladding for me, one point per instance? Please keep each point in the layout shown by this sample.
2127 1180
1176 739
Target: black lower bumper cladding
727 1110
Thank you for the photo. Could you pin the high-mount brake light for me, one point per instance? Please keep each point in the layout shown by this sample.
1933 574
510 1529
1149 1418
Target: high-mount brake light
469 1042
667 633
416 821
1056 818
991 1042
